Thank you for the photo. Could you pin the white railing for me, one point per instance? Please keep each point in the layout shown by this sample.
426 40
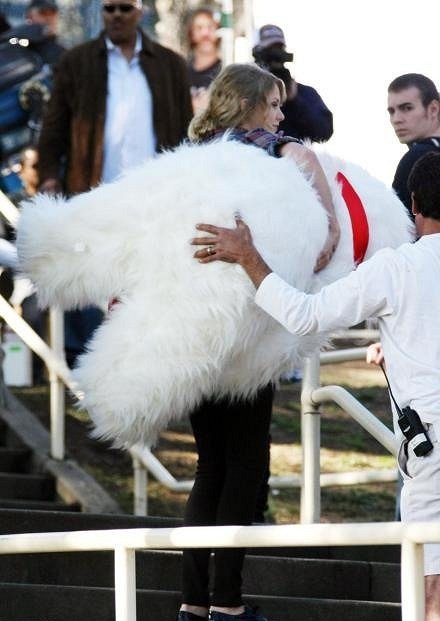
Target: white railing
311 397
59 373
311 480
124 543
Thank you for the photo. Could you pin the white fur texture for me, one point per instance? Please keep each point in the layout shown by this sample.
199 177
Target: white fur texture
186 331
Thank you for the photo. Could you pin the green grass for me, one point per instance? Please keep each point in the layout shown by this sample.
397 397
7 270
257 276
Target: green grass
345 447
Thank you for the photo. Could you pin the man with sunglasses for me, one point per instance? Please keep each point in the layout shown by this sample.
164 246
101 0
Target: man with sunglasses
117 100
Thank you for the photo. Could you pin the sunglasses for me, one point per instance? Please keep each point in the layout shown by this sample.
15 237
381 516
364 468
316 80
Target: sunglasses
122 8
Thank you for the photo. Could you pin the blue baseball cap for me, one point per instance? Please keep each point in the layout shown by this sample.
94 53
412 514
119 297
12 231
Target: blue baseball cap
42 4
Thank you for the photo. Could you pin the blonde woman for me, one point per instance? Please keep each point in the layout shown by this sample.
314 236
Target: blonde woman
233 438
246 101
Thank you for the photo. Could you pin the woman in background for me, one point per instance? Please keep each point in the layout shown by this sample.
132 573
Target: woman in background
204 63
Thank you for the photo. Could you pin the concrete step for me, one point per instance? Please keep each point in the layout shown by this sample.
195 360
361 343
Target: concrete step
39 505
35 521
8 437
27 521
3 433
74 585
41 602
20 428
328 579
378 554
27 486
14 459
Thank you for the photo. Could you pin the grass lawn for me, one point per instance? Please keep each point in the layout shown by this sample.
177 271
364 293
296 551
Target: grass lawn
345 447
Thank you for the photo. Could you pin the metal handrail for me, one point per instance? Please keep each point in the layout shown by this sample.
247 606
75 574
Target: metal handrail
311 480
311 397
59 373
125 542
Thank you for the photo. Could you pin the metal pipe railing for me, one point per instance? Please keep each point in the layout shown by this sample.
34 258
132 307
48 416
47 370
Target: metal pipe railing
59 373
311 480
361 414
55 362
310 509
124 543
313 395
57 393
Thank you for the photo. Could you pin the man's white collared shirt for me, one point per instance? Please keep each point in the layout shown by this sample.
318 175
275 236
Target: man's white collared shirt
129 137
400 287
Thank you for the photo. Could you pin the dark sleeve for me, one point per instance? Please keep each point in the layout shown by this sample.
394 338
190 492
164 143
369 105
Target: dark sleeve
183 97
307 116
400 182
55 133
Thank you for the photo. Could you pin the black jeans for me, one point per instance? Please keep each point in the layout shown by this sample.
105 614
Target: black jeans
232 440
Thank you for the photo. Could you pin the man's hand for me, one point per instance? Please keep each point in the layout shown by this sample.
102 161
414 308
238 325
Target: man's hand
375 354
231 246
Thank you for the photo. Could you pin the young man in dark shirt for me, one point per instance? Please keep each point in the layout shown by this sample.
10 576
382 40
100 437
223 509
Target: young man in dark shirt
414 109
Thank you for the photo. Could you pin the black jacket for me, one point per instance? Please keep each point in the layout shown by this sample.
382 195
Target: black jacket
73 126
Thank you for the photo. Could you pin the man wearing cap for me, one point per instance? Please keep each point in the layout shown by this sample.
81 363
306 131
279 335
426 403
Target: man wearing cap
117 100
306 115
45 13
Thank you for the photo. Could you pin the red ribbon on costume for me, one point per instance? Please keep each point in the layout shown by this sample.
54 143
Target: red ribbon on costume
358 217
112 303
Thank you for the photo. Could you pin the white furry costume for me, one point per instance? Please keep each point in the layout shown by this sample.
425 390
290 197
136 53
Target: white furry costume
185 331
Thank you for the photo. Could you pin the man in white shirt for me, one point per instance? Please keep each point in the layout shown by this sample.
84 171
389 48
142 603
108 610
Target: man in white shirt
117 100
399 287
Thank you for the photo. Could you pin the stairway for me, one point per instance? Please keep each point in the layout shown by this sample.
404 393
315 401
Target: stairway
39 494
22 485
30 478
295 584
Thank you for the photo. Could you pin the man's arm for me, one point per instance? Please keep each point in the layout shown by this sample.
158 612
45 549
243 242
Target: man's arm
363 293
184 97
55 133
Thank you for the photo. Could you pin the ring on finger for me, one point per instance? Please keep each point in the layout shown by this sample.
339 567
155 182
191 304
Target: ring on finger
210 250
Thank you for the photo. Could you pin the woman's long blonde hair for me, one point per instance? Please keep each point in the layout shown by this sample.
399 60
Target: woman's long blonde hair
235 93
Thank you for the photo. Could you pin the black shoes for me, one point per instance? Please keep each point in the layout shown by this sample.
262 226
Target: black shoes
249 614
183 615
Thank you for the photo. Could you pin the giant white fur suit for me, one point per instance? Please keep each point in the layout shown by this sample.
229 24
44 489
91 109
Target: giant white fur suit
185 331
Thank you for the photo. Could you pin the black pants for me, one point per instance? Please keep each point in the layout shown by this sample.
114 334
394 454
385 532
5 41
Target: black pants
232 440
79 326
